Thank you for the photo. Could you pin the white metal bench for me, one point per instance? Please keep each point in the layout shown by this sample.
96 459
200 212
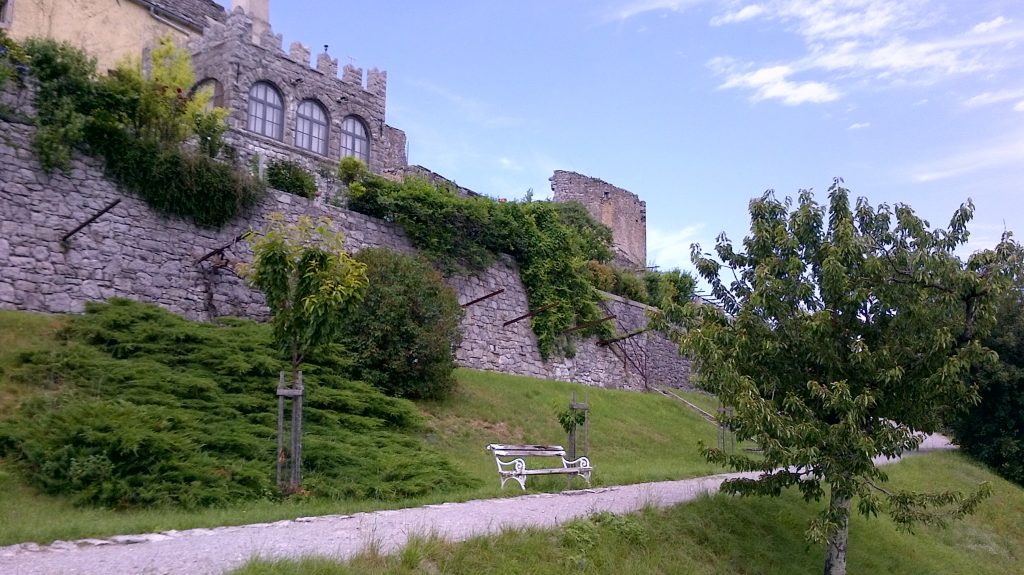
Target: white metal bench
519 472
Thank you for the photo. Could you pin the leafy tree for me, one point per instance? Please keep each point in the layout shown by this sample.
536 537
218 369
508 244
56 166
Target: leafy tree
992 431
403 331
839 340
310 283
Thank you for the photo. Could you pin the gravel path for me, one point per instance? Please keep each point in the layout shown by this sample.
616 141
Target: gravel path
214 551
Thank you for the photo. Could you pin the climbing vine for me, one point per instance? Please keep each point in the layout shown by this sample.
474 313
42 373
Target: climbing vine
138 124
550 242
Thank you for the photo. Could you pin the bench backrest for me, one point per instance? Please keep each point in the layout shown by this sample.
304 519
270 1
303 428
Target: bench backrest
503 450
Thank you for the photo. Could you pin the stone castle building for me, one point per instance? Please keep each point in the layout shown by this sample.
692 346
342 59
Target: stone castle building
282 107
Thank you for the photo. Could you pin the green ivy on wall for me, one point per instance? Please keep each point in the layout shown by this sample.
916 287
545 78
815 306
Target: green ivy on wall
138 125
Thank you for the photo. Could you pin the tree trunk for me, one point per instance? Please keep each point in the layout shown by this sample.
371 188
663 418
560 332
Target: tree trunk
835 555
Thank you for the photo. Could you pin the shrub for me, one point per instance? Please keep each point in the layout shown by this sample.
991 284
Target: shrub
137 125
467 233
351 169
158 410
290 177
178 182
403 332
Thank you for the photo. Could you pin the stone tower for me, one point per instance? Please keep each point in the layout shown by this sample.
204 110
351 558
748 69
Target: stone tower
619 209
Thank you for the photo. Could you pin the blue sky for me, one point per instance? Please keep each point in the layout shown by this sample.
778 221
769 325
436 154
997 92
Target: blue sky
698 106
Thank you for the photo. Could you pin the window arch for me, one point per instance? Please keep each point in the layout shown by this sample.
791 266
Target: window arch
311 127
354 139
266 110
216 91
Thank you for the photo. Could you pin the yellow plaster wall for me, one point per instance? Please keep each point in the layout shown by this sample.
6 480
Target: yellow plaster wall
110 30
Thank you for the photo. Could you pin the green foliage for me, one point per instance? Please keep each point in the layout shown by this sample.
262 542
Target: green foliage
658 289
290 177
670 288
157 410
138 125
310 283
840 338
404 329
595 238
992 431
67 80
351 169
570 418
468 233
177 181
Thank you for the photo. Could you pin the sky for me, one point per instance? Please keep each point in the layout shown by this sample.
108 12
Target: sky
698 106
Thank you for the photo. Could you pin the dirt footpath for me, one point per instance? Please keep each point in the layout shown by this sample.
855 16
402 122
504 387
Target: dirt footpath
214 551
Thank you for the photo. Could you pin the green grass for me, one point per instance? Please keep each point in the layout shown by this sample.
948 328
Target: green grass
20 332
725 535
634 437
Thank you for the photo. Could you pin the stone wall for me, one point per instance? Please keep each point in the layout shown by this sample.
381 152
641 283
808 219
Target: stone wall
135 253
619 209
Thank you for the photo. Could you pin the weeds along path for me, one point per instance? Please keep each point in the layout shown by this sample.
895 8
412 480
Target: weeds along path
214 551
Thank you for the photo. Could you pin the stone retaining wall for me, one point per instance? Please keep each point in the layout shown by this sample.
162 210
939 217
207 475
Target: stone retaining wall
133 252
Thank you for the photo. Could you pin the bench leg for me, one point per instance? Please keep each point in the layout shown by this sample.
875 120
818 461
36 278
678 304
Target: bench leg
521 479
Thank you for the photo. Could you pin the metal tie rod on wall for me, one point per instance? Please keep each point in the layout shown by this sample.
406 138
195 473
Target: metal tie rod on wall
90 220
482 298
531 314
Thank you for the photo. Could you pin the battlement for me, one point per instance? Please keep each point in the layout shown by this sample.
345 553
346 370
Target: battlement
242 54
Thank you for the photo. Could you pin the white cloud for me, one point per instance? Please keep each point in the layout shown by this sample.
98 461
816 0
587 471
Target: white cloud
991 155
870 43
859 125
1019 106
670 249
997 97
637 7
773 83
991 25
509 164
746 13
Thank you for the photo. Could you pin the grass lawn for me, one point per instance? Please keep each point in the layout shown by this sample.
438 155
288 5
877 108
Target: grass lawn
634 438
21 331
724 535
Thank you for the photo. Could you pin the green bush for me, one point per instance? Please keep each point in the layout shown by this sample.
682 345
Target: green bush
290 177
467 233
403 332
157 410
351 169
137 125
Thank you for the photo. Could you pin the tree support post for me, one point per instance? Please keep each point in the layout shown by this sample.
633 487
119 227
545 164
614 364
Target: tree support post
290 461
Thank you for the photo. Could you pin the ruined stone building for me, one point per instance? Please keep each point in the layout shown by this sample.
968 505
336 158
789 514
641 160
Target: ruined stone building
620 210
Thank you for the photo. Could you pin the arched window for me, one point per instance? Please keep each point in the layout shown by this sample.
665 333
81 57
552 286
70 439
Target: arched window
214 89
311 127
354 140
266 110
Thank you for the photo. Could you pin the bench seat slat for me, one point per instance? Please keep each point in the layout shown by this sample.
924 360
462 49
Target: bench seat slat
551 471
522 453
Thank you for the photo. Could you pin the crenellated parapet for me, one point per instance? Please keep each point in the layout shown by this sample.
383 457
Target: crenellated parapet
283 105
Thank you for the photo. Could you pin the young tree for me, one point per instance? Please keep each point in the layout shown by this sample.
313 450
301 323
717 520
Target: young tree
310 285
838 341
